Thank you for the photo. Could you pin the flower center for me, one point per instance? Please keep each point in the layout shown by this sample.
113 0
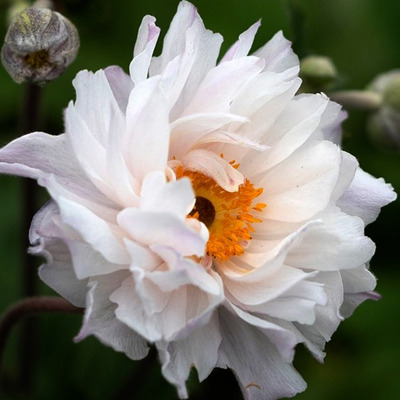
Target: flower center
204 211
227 215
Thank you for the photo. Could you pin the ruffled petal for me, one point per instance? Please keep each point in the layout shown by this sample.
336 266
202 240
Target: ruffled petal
366 196
58 272
101 322
160 314
258 366
199 350
338 243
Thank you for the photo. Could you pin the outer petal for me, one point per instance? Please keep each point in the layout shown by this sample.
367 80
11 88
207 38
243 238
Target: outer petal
365 196
38 155
200 350
101 322
338 243
46 239
160 314
261 371
328 316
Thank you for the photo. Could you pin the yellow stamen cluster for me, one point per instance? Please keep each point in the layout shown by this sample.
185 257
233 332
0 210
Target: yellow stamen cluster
230 222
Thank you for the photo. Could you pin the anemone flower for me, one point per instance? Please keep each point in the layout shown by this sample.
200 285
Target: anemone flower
204 208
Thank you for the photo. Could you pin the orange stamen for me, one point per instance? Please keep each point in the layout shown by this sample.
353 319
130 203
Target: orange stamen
232 224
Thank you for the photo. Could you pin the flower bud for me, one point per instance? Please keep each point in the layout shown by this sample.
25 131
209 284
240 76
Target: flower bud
384 125
39 45
318 73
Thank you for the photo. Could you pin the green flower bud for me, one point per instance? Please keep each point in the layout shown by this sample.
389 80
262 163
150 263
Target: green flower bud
39 45
318 73
384 125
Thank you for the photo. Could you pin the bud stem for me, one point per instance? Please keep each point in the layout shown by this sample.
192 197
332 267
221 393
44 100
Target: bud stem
358 99
29 306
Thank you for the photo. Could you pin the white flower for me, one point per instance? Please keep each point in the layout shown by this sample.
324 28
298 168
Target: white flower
204 208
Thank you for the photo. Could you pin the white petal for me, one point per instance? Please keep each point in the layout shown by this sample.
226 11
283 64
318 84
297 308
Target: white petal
200 350
338 243
93 230
297 304
160 315
100 319
88 262
197 50
149 227
96 105
212 165
261 371
242 47
182 271
144 47
175 197
365 196
142 256
57 272
290 188
358 284
121 85
281 338
221 85
187 131
278 54
254 293
328 316
38 154
146 139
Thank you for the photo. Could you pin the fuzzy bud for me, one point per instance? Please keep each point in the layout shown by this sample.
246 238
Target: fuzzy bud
318 73
39 45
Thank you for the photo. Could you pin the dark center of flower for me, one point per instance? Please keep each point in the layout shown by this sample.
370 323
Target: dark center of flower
204 211
38 59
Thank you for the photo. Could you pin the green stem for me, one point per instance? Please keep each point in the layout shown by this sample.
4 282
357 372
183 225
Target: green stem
27 307
357 99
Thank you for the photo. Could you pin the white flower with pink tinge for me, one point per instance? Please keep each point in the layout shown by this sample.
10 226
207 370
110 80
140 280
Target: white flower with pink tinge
204 208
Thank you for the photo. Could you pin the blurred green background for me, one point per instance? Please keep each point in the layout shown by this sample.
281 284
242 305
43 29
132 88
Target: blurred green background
362 37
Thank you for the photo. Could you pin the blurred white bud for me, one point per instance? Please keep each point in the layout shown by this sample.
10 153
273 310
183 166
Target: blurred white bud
39 45
15 8
318 73
384 124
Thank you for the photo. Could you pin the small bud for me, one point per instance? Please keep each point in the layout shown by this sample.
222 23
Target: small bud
318 73
39 46
384 125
